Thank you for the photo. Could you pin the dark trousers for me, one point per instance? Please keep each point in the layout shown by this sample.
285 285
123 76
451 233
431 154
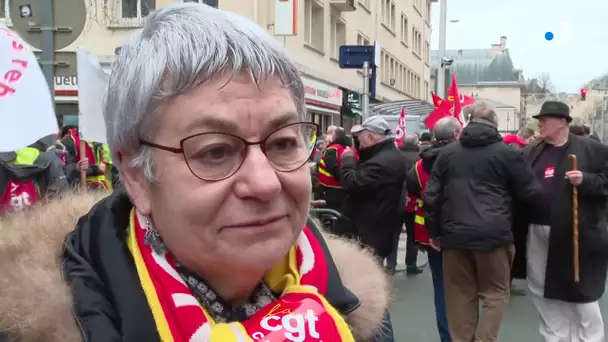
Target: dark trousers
385 333
411 252
436 266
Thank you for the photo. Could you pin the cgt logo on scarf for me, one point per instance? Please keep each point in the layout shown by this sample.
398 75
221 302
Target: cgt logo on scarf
296 317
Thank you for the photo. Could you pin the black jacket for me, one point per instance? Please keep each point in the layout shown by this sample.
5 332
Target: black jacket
469 196
428 157
592 159
110 304
410 153
375 195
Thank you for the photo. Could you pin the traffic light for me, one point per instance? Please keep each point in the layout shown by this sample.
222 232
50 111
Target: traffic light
583 94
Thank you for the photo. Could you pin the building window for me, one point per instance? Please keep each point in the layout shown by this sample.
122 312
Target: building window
212 3
362 39
5 6
338 33
427 51
313 24
417 41
404 29
428 12
388 14
135 9
427 91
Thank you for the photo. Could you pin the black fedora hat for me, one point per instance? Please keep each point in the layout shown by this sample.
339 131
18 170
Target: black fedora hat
555 109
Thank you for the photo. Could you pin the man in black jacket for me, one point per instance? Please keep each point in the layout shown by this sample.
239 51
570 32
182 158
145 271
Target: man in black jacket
468 213
375 190
374 187
409 149
569 310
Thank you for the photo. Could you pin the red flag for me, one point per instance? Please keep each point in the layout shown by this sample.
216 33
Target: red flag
442 111
401 129
436 100
466 100
454 99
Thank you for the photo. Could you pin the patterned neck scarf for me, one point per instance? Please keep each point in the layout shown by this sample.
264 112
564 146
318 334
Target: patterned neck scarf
218 308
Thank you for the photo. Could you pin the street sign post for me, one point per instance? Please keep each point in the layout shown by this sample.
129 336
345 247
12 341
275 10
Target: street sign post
366 57
49 25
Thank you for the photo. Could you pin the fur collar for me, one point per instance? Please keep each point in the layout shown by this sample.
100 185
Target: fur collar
35 303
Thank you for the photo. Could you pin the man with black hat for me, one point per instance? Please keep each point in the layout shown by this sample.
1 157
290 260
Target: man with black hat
569 310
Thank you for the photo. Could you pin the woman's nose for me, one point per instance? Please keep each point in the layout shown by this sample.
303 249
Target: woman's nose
257 178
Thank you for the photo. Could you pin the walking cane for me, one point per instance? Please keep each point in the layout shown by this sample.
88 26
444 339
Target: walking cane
572 158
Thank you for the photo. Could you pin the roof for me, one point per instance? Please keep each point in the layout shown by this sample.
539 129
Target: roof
412 107
479 66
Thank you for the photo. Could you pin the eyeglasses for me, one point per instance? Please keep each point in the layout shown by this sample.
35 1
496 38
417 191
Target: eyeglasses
217 156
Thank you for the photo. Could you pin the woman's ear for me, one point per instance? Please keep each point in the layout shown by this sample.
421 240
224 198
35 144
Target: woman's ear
135 183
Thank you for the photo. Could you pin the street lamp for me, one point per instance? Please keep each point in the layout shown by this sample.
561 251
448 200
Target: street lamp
443 18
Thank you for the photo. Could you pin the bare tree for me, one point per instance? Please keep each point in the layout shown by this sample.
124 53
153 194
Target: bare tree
545 84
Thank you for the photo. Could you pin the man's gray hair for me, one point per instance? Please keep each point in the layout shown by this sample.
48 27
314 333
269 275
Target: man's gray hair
482 113
178 48
445 129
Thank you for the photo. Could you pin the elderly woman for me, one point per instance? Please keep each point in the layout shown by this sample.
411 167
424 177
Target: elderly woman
209 241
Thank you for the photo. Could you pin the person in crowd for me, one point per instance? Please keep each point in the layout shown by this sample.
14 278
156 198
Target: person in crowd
329 135
526 134
569 310
426 140
374 185
213 220
328 171
28 176
578 130
468 214
409 149
446 130
93 163
587 130
515 140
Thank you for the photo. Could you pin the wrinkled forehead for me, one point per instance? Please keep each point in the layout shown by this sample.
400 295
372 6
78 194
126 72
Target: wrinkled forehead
234 105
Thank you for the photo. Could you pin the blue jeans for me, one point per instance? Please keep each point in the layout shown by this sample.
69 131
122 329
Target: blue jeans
436 265
386 334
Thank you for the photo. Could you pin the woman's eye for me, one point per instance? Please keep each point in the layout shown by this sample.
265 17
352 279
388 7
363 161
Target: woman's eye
282 144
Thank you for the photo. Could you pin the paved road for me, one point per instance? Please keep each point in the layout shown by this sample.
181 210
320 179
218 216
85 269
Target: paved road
413 313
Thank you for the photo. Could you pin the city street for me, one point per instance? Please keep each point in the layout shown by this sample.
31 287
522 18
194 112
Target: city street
413 314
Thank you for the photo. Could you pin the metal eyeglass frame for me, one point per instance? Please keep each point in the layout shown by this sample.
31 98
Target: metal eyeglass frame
262 143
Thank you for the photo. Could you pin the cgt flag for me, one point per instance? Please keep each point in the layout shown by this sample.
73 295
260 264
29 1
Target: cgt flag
26 106
401 128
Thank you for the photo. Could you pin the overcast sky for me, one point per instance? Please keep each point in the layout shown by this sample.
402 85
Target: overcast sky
572 58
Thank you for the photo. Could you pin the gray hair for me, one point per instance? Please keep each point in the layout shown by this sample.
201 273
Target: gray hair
481 113
179 48
445 129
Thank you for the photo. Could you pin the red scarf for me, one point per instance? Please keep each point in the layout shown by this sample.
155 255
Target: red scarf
301 314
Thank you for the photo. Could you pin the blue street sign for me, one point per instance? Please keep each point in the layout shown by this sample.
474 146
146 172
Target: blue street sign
353 56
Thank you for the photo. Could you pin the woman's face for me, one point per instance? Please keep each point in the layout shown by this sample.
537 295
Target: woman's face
247 222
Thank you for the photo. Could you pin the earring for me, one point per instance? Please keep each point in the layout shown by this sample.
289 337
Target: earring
152 238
